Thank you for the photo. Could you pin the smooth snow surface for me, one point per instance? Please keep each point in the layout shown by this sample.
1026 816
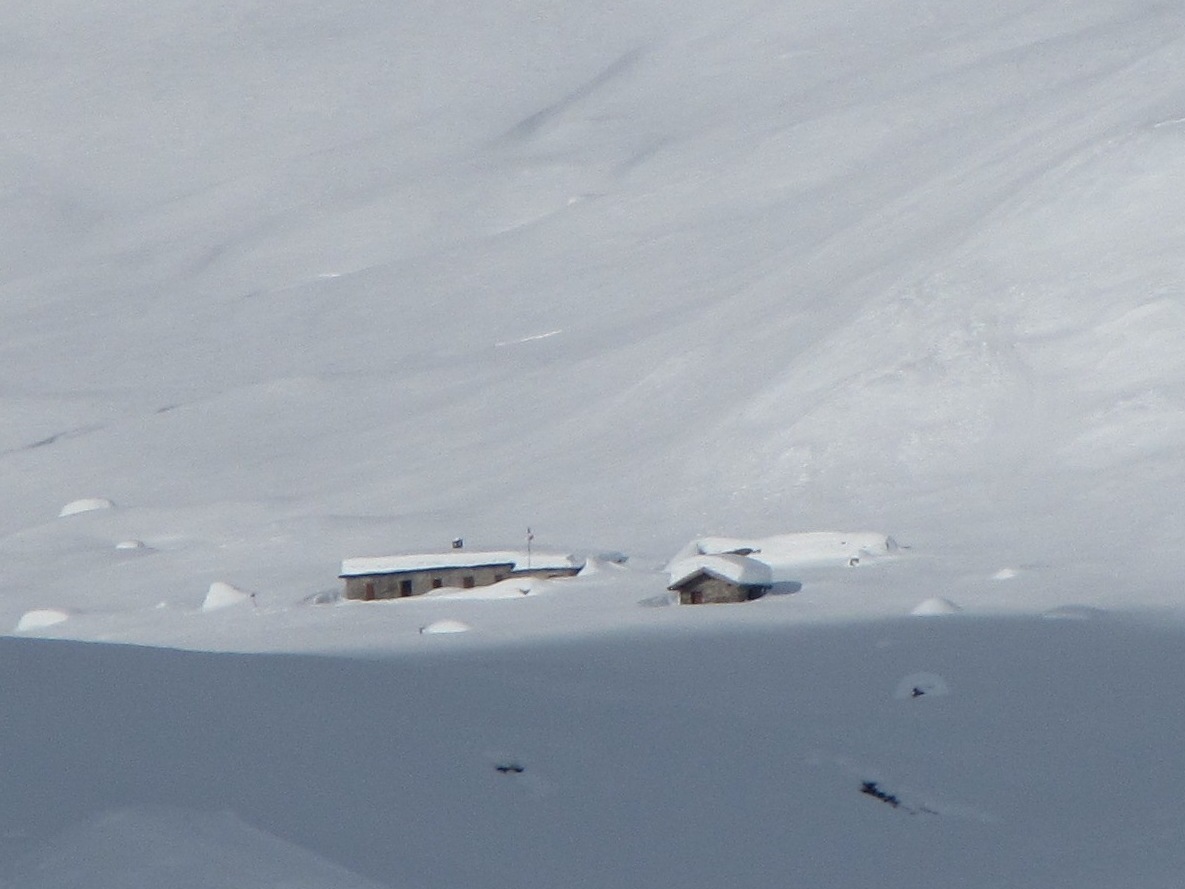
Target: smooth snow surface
294 283
152 847
935 606
1052 763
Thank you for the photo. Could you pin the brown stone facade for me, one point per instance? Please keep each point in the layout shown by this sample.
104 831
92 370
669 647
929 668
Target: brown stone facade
706 590
415 583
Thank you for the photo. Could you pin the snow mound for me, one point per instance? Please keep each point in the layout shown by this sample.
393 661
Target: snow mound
87 504
130 544
784 552
444 627
151 847
40 618
921 685
511 588
935 606
223 595
323 597
1005 574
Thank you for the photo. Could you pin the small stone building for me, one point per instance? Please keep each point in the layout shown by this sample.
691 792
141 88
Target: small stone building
713 579
395 577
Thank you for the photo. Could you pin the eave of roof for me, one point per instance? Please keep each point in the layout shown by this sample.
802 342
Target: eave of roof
514 561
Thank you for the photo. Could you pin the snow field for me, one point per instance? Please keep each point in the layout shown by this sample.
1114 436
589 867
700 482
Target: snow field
293 284
616 758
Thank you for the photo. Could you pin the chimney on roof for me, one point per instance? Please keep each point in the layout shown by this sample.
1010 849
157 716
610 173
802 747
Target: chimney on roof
458 543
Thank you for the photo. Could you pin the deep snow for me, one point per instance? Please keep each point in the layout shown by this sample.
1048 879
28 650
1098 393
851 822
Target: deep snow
705 759
282 287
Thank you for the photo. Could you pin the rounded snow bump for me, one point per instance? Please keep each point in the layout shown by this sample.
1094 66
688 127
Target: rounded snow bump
86 504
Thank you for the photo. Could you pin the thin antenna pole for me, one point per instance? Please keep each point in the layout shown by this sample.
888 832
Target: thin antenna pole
530 537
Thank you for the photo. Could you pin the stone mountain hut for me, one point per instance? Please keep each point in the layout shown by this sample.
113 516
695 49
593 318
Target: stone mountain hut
712 579
395 577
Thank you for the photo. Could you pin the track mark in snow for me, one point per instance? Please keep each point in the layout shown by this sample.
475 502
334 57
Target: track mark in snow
51 439
531 125
921 685
901 797
871 788
528 339
514 768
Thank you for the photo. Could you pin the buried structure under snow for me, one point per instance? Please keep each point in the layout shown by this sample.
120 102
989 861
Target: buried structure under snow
395 577
712 579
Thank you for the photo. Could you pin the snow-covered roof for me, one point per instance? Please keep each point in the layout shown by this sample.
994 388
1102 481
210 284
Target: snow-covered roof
518 561
740 570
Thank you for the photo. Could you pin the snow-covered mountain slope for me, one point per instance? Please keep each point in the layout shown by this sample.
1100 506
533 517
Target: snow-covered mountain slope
285 286
343 279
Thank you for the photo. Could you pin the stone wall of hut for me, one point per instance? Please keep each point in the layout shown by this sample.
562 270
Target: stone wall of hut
415 583
712 591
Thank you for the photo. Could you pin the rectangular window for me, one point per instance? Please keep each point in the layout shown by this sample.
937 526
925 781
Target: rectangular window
437 583
467 581
405 587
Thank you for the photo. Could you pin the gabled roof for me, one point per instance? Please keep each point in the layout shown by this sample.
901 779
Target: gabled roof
515 561
739 570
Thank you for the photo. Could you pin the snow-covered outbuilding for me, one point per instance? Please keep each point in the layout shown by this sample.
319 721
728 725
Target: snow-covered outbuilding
799 550
708 579
394 577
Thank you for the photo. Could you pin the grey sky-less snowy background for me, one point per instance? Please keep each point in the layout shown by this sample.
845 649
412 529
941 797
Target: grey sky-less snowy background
293 285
